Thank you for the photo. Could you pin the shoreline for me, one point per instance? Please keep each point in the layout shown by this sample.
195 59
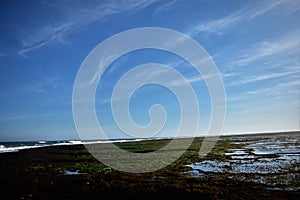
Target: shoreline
41 173
43 144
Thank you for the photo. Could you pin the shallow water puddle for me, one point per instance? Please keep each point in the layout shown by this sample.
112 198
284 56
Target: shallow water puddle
243 157
68 172
236 152
240 166
270 160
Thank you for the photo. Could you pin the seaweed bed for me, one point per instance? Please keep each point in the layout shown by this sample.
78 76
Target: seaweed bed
262 166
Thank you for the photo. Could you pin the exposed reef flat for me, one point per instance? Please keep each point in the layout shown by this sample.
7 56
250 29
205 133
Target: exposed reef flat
262 166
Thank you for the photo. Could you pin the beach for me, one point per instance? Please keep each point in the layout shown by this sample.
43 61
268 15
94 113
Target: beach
261 166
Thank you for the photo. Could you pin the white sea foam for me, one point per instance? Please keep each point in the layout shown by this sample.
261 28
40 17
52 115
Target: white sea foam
15 149
6 147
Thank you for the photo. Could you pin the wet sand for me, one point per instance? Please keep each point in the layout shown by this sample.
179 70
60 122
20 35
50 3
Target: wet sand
239 167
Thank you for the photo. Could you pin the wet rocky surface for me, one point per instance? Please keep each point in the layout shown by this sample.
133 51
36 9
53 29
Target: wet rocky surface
273 160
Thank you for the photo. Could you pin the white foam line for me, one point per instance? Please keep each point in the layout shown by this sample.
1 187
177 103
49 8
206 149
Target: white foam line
4 149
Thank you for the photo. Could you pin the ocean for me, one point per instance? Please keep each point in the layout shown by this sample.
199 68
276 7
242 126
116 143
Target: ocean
6 147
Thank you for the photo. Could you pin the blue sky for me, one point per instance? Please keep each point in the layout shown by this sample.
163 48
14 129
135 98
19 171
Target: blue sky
255 45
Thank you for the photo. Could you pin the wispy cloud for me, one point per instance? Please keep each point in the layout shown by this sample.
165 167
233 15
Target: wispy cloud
165 7
285 45
265 7
230 74
290 84
218 26
44 36
251 79
42 86
214 26
120 63
283 91
76 18
277 90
